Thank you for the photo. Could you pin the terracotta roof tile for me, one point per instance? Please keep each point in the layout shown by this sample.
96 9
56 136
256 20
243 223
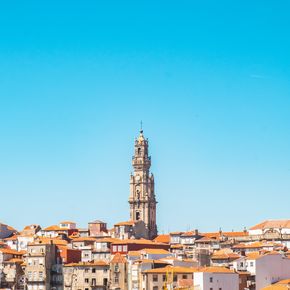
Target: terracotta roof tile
174 269
272 224
118 258
217 270
87 264
162 239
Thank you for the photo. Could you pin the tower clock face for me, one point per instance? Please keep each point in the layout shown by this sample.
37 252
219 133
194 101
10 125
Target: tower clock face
138 177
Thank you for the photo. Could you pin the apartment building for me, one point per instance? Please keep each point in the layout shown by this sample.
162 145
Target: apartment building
86 275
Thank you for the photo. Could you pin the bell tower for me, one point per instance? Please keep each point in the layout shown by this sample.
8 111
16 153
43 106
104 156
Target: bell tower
142 196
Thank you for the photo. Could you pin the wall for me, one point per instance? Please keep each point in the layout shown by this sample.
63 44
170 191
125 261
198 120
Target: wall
270 269
225 281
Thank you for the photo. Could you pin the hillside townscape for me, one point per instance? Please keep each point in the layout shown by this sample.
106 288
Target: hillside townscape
132 255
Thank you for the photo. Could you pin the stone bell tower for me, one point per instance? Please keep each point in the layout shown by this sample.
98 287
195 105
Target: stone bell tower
142 196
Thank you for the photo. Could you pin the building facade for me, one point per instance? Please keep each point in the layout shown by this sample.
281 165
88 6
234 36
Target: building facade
142 195
86 276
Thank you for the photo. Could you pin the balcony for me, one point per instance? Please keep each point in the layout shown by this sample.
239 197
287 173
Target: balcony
36 279
37 254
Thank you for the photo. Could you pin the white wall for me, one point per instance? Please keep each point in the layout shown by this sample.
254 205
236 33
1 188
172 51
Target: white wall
225 281
251 266
270 269
260 231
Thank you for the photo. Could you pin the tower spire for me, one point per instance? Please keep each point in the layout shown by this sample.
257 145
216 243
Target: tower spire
141 127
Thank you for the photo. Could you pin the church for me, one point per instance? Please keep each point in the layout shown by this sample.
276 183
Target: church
142 198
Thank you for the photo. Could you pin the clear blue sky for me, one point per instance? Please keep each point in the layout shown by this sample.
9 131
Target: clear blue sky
209 79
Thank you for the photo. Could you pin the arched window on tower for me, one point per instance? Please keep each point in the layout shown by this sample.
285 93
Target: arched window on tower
139 151
137 215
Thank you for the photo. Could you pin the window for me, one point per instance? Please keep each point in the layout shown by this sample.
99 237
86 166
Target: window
29 274
116 268
94 270
86 280
251 264
210 289
114 248
125 248
174 278
163 278
241 264
116 279
184 276
86 270
220 288
210 279
93 282
155 278
119 248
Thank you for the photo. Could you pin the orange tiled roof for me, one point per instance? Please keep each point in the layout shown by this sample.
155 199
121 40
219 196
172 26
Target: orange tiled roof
107 240
127 223
84 239
27 228
44 240
12 252
272 224
151 261
134 253
54 228
255 245
206 239
14 260
188 234
155 251
281 285
176 246
162 239
132 241
225 234
276 287
253 256
225 254
176 233
87 264
170 269
284 282
118 258
216 269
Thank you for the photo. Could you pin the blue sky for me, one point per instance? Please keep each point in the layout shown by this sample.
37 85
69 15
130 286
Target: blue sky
209 79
